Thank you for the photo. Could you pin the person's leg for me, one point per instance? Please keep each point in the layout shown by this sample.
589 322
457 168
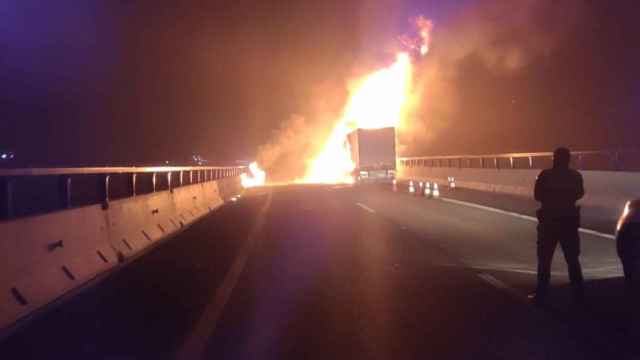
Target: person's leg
627 268
570 243
545 247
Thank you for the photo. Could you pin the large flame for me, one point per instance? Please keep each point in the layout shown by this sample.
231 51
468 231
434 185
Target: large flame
255 176
378 101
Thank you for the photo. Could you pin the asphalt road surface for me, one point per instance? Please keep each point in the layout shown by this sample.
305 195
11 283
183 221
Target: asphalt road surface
321 272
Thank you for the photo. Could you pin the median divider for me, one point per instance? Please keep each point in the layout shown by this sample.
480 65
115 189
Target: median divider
44 257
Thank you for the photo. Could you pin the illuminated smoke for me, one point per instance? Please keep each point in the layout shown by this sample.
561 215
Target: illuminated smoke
498 40
421 41
502 36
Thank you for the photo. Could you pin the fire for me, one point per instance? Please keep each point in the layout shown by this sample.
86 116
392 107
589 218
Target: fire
255 177
378 101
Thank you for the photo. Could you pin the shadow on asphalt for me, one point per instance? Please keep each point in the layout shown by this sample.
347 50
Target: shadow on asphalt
609 315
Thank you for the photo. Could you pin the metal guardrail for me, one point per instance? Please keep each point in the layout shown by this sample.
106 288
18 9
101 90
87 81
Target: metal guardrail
582 160
30 191
109 170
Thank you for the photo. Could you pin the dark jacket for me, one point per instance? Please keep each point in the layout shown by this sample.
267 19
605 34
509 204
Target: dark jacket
557 190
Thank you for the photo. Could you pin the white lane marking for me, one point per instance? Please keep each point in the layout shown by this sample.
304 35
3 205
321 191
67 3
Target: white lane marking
502 286
493 281
604 272
521 216
597 233
366 208
196 342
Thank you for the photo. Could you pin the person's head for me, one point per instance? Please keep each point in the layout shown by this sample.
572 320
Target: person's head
561 158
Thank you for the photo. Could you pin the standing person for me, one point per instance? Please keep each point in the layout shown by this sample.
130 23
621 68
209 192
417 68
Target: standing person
557 189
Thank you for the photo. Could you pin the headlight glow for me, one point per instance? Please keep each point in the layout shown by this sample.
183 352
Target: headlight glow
627 209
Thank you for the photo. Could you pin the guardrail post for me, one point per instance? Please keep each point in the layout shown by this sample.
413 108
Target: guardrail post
8 185
181 177
199 180
511 164
134 179
105 195
482 163
495 162
190 177
153 182
169 181
530 162
65 184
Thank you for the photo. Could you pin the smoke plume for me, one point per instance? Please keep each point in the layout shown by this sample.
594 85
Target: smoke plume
497 38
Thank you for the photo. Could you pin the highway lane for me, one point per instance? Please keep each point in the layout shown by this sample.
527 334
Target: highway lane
484 239
331 279
327 272
592 217
504 246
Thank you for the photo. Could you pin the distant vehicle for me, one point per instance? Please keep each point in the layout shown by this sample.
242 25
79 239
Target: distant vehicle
374 154
628 240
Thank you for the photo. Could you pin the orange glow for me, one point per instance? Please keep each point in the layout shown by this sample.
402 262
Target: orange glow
378 101
255 176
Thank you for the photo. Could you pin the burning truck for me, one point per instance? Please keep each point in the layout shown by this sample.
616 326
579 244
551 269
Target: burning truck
361 146
373 152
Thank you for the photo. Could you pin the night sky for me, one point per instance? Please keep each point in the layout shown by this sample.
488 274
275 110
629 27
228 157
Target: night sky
137 81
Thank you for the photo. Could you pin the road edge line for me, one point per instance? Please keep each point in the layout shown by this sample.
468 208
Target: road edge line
195 344
521 216
365 207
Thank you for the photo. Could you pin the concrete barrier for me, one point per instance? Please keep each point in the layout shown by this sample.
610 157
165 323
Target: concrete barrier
229 187
44 257
605 189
